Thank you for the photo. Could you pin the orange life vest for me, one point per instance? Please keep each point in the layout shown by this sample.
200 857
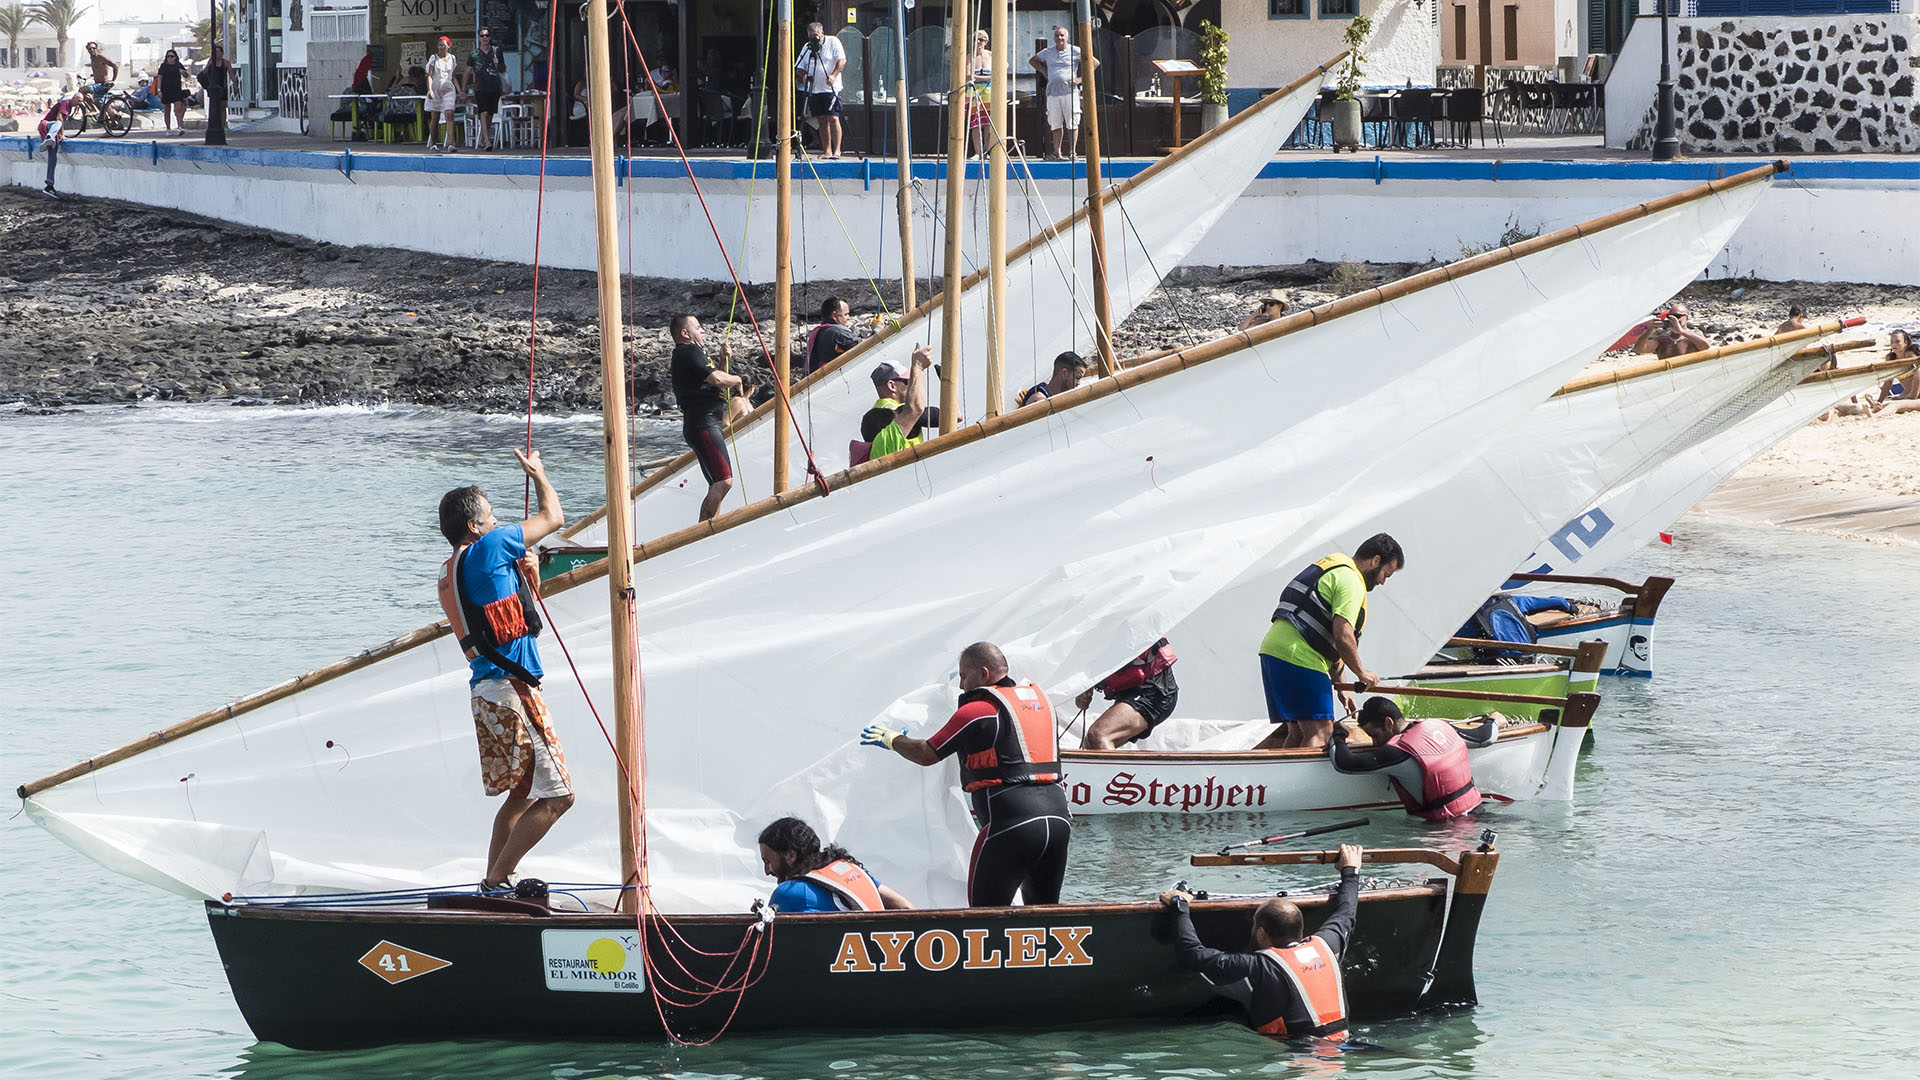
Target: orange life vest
1314 971
1027 748
1446 777
486 629
1157 658
853 885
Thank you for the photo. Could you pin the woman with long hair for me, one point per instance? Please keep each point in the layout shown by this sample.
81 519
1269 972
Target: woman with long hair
816 878
173 93
1900 347
979 92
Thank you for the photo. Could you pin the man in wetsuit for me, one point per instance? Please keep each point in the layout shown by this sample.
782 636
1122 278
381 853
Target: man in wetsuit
701 390
1316 629
817 878
1143 693
1068 369
1011 768
486 594
1290 983
1425 760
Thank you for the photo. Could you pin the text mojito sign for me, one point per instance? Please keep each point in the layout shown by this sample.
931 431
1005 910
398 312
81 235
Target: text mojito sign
427 16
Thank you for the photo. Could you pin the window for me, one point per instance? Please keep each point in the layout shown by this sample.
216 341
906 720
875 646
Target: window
30 50
1338 9
1287 9
1513 31
1459 31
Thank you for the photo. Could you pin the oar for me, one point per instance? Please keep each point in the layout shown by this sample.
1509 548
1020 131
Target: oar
1354 824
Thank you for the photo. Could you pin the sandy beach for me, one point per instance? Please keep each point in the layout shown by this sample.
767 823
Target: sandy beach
1855 477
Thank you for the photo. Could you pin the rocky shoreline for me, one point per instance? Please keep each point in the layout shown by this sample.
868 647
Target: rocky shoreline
107 302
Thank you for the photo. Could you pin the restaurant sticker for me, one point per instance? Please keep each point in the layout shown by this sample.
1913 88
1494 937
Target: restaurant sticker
593 961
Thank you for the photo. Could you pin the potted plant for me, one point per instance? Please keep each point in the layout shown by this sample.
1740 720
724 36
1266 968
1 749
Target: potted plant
1213 76
1346 105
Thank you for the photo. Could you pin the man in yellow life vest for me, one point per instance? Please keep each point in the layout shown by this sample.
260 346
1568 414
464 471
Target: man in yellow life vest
900 414
1316 630
818 878
1290 981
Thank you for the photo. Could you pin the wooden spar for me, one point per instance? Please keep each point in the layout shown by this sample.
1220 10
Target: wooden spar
782 358
1511 646
959 52
1064 225
1096 214
1040 412
1461 695
1314 858
613 405
1654 367
996 213
903 157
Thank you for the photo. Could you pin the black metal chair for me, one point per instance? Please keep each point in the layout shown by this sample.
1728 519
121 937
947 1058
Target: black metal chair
1319 122
1376 116
1411 114
1533 104
1575 100
1466 107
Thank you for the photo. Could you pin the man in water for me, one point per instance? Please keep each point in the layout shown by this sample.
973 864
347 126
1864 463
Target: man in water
1143 693
1316 629
900 412
487 596
701 390
1068 369
1425 760
814 878
1011 770
1290 982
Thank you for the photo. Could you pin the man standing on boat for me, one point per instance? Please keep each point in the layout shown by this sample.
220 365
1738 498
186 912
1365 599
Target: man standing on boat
1425 760
1316 630
900 413
1011 769
487 596
1290 982
818 878
701 390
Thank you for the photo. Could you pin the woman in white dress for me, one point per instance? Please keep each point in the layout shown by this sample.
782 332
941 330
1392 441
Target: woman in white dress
443 90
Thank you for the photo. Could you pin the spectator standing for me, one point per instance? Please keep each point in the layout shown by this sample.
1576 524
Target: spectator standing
979 91
1061 67
832 337
701 389
217 80
484 67
53 133
443 90
173 93
822 59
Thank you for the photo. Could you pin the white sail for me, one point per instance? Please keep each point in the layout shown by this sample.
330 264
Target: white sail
1070 535
1471 508
1150 229
1629 515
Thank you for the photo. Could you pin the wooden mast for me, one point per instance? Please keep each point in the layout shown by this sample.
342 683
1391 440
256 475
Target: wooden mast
903 157
959 52
1096 214
782 242
628 740
997 211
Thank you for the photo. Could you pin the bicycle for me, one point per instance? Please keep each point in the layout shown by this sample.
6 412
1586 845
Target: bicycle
112 113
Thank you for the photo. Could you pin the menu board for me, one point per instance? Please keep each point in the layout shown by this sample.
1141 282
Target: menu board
498 16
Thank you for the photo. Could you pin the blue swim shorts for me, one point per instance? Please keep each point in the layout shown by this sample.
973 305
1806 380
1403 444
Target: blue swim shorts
1294 692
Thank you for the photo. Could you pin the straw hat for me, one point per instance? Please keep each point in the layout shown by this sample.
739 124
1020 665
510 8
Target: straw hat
1275 296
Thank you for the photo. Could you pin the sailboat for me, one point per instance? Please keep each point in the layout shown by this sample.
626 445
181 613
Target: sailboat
778 630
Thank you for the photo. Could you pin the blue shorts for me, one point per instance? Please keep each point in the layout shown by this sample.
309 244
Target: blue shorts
1294 692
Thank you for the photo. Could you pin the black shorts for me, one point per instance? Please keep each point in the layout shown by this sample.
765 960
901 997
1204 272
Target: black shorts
486 103
1154 700
827 104
1025 830
710 447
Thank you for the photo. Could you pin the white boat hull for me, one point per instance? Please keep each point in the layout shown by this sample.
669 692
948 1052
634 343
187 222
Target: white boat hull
1532 762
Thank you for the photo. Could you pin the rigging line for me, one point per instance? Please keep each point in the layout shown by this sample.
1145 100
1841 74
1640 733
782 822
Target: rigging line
1069 272
753 175
813 467
539 211
932 240
1152 267
852 245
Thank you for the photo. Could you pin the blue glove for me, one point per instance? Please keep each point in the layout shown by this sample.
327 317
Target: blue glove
876 735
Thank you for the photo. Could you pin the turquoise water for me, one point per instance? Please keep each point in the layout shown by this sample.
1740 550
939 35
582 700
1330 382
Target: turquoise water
1729 895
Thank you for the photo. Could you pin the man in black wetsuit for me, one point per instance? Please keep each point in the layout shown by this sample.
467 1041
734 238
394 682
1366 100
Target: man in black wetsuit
1011 768
701 390
1290 983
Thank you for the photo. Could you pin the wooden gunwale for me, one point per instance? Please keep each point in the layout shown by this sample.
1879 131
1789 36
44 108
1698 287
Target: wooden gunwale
1456 670
1314 858
1251 757
912 455
1656 367
1053 231
1513 646
1580 579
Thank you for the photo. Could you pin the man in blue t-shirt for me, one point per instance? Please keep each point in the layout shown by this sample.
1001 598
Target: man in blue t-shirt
486 592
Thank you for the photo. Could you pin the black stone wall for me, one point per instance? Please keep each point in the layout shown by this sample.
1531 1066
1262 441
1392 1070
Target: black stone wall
1838 84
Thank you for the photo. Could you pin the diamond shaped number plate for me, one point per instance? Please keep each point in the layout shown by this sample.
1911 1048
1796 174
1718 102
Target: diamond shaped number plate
397 963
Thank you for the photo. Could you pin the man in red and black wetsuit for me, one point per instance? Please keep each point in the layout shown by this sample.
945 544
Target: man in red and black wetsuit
1011 770
1291 984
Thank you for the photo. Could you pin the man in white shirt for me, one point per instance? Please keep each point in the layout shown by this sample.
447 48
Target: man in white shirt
1061 66
822 59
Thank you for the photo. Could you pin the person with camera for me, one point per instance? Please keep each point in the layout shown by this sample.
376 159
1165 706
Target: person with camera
822 59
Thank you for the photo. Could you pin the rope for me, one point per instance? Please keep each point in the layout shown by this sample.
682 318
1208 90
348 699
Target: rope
539 211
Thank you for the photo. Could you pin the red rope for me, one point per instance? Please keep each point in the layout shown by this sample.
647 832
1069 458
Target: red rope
539 210
813 467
